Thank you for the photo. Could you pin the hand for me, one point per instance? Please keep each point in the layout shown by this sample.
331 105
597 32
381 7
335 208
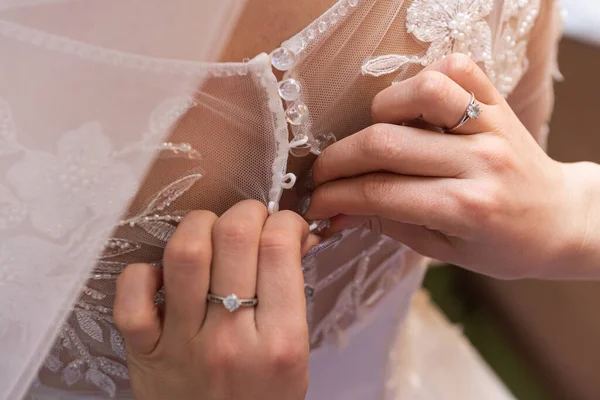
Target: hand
199 350
485 197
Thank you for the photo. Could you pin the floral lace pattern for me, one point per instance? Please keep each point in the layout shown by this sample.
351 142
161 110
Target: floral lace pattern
510 62
454 26
461 26
57 194
60 190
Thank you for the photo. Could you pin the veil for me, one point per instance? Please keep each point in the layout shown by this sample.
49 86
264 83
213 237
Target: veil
88 92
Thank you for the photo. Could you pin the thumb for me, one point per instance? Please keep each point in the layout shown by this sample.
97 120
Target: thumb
135 313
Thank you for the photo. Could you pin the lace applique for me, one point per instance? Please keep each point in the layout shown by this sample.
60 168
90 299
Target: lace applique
98 371
454 26
59 189
458 26
510 62
91 324
351 303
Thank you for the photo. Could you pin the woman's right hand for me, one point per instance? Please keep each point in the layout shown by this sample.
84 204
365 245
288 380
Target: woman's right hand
200 350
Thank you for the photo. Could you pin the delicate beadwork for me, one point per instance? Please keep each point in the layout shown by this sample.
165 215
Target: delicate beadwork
322 26
509 62
321 141
289 90
282 59
300 147
459 26
451 26
297 113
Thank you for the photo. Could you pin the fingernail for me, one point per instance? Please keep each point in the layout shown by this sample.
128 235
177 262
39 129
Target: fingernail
303 204
324 245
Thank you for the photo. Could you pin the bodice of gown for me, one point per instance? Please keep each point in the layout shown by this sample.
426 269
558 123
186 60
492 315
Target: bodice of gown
245 134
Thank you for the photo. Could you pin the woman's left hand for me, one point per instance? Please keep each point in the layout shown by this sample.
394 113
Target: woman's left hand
485 197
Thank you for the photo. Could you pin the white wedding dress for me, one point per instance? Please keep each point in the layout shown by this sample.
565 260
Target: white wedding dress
234 131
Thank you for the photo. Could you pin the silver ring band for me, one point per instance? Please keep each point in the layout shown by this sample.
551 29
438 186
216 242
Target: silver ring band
473 111
232 302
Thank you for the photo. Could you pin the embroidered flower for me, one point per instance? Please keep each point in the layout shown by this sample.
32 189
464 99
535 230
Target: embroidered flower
79 182
451 26
460 26
454 26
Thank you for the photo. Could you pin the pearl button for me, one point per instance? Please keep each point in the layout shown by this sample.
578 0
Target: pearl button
282 59
322 140
289 90
297 113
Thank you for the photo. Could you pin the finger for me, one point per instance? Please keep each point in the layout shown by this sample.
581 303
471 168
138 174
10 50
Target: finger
187 263
236 237
466 73
391 148
310 242
424 241
135 313
280 287
432 96
429 202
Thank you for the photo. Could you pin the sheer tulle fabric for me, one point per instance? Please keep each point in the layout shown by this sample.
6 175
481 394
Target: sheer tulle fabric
81 84
231 140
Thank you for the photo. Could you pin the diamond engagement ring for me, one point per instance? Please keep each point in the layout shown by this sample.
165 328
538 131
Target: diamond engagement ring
232 302
473 111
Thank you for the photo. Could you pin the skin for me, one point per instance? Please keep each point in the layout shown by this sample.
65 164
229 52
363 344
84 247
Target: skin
196 350
199 350
486 197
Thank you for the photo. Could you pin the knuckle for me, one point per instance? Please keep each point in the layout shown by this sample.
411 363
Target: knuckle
222 354
199 215
277 240
375 190
459 65
187 250
132 323
433 87
234 230
379 141
286 355
495 155
378 105
253 207
483 204
290 218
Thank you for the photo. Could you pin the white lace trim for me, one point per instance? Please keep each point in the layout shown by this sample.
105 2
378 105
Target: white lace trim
319 28
117 58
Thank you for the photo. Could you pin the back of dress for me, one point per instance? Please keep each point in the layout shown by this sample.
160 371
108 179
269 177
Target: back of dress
244 133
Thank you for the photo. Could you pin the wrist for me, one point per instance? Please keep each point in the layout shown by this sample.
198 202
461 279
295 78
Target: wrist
579 257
